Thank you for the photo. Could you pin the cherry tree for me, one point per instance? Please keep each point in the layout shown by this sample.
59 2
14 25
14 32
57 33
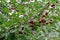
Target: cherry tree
29 19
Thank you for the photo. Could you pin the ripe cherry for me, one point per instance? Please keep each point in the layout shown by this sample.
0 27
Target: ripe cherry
53 5
50 22
39 21
43 15
50 19
46 13
46 22
43 20
0 11
31 22
22 28
32 28
31 0
20 32
12 8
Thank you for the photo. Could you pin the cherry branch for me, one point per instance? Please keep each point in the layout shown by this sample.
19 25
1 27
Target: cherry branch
46 6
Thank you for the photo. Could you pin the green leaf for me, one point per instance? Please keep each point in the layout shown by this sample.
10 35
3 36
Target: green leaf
13 1
20 8
6 10
53 1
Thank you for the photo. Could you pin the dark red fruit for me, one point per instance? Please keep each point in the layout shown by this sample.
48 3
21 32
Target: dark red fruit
0 11
12 8
20 32
43 15
39 25
46 13
22 28
53 6
39 21
31 0
50 22
31 22
46 22
32 28
50 19
43 20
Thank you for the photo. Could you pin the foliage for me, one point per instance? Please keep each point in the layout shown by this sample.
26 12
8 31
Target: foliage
29 20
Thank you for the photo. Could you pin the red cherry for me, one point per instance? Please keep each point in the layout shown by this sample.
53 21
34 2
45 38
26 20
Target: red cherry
46 22
31 22
39 21
46 13
43 20
53 6
32 28
20 32
50 19
22 28
0 11
50 22
43 15
12 8
31 0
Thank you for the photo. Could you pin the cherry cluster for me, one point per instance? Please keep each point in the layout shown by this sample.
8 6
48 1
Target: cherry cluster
42 20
